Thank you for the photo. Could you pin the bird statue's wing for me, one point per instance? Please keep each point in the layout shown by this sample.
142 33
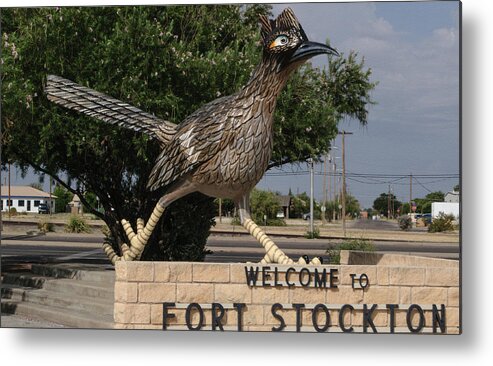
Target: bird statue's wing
198 139
70 95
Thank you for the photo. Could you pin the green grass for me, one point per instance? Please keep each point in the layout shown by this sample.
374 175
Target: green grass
360 244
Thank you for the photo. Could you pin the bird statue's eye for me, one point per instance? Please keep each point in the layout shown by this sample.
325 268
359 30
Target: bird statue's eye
279 41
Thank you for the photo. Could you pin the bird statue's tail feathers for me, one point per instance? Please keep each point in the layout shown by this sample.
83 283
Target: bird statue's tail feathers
84 100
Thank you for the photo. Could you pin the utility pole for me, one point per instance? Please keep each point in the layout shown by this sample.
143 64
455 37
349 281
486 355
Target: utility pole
51 197
9 202
335 192
329 179
311 196
220 210
388 203
343 193
410 192
324 205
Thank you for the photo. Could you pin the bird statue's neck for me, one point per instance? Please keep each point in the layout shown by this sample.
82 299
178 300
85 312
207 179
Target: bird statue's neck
266 82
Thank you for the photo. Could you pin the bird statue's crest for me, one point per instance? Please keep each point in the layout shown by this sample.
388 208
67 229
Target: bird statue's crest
285 23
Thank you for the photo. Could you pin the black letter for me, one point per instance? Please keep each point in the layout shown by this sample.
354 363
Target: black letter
239 309
367 318
273 310
421 323
265 276
392 307
167 305
216 319
341 318
251 277
352 279
290 269
333 278
438 319
314 317
367 282
320 282
298 315
188 316
307 271
276 277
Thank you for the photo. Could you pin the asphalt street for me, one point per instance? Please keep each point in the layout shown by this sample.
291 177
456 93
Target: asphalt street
67 248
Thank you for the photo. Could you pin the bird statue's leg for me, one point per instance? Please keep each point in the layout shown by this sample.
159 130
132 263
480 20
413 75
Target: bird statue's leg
273 253
138 239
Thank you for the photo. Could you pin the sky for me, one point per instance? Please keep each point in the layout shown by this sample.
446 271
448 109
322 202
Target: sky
412 49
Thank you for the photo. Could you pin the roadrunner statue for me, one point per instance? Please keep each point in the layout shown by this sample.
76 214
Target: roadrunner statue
222 149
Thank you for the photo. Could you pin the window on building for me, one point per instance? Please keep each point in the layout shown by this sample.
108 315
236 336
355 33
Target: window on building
20 203
10 203
1 205
36 203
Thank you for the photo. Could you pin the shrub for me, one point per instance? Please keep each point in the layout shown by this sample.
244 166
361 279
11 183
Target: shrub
77 224
276 222
236 221
361 244
46 227
405 222
442 223
315 234
13 211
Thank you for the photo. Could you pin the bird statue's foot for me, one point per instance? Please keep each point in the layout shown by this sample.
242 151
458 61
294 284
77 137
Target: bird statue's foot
273 253
137 239
302 260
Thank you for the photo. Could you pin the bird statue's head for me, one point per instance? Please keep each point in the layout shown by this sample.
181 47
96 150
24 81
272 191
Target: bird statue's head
285 40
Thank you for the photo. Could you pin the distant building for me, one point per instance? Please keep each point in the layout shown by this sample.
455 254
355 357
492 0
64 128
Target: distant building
75 205
284 202
25 199
452 196
447 208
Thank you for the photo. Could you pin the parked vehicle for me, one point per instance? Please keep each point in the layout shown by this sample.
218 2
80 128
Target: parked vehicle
306 216
43 208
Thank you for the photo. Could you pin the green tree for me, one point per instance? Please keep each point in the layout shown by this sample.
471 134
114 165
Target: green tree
405 208
300 204
313 103
63 197
264 203
165 60
381 204
352 207
423 205
92 201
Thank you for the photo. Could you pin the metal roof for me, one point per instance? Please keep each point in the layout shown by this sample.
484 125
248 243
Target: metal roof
24 191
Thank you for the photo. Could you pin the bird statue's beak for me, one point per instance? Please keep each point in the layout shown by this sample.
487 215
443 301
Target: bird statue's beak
309 49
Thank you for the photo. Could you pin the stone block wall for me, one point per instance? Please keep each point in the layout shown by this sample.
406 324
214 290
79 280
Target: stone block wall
141 288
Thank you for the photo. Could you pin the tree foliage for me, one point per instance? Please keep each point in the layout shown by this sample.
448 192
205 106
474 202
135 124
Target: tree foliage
167 61
63 198
381 204
423 205
313 103
264 205
353 207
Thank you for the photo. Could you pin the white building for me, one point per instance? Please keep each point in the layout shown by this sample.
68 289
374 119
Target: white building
25 199
448 208
452 196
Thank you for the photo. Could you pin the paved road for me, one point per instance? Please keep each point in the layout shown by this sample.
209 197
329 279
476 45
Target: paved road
66 248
